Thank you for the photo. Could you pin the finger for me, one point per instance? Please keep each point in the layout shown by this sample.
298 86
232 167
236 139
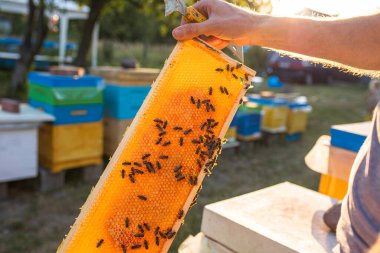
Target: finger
189 31
203 7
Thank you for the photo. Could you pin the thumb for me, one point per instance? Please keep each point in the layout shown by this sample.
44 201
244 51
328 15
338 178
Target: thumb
189 31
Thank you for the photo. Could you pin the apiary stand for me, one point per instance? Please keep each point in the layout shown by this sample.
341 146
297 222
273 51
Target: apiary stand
282 218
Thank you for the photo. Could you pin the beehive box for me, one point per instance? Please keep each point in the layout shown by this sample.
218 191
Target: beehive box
123 103
70 146
350 136
113 133
156 172
280 218
118 76
297 118
249 122
71 114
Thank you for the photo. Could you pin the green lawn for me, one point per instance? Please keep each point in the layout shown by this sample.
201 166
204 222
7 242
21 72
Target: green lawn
34 222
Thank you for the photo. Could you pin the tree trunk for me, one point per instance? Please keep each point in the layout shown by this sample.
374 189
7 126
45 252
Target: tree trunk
36 26
96 8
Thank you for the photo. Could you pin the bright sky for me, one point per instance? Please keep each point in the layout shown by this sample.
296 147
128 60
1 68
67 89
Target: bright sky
345 8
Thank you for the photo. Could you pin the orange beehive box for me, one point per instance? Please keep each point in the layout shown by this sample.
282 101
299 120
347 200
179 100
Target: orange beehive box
156 172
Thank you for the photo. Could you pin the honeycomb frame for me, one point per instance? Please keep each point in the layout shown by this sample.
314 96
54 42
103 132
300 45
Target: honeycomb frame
184 176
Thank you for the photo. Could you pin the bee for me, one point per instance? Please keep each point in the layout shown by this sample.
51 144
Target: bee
147 226
178 168
145 156
192 100
210 131
124 248
138 171
131 178
158 165
157 241
166 144
187 131
228 67
126 222
181 141
137 164
180 214
136 246
165 124
201 138
226 91
232 69
239 65
180 178
221 89
196 142
100 242
162 234
140 228
212 108
163 157
199 163
210 91
159 127
139 235
171 235
162 133
198 103
142 197
215 124
235 76
246 77
219 70
158 121
158 141
178 128
126 163
241 101
156 230
206 101
146 244
198 149
122 173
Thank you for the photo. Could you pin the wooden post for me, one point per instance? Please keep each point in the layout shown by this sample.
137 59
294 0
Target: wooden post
50 181
3 190
92 173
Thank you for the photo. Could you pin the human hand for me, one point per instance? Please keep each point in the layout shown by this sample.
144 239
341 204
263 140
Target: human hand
226 23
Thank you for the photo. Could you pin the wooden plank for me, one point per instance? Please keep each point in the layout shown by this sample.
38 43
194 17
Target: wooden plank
281 218
56 167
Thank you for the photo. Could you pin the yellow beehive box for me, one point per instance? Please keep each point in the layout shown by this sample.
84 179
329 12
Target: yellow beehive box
296 122
70 146
274 119
156 173
114 130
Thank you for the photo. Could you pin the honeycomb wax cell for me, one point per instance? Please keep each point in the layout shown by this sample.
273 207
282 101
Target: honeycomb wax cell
155 175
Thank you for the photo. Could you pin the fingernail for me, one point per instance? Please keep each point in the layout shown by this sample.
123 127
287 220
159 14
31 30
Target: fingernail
178 33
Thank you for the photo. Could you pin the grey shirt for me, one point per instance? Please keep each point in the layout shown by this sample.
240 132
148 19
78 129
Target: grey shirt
359 225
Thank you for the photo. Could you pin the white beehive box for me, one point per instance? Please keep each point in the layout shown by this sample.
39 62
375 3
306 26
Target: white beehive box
18 143
282 218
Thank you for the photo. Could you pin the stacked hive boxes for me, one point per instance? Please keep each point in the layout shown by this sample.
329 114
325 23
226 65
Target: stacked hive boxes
346 141
125 92
298 112
76 137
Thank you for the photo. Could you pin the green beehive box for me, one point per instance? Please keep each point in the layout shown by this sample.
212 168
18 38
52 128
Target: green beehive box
65 95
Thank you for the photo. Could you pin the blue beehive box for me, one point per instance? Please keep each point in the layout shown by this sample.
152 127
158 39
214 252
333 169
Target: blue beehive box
123 102
71 114
350 136
50 80
249 122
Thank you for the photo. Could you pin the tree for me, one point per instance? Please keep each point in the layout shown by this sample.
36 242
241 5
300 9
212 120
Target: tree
35 34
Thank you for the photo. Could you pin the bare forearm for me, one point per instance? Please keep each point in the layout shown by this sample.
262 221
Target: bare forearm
354 42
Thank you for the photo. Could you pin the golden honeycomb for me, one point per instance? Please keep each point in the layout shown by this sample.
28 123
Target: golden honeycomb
152 179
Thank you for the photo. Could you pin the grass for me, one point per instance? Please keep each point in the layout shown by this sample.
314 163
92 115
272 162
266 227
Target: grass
36 222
